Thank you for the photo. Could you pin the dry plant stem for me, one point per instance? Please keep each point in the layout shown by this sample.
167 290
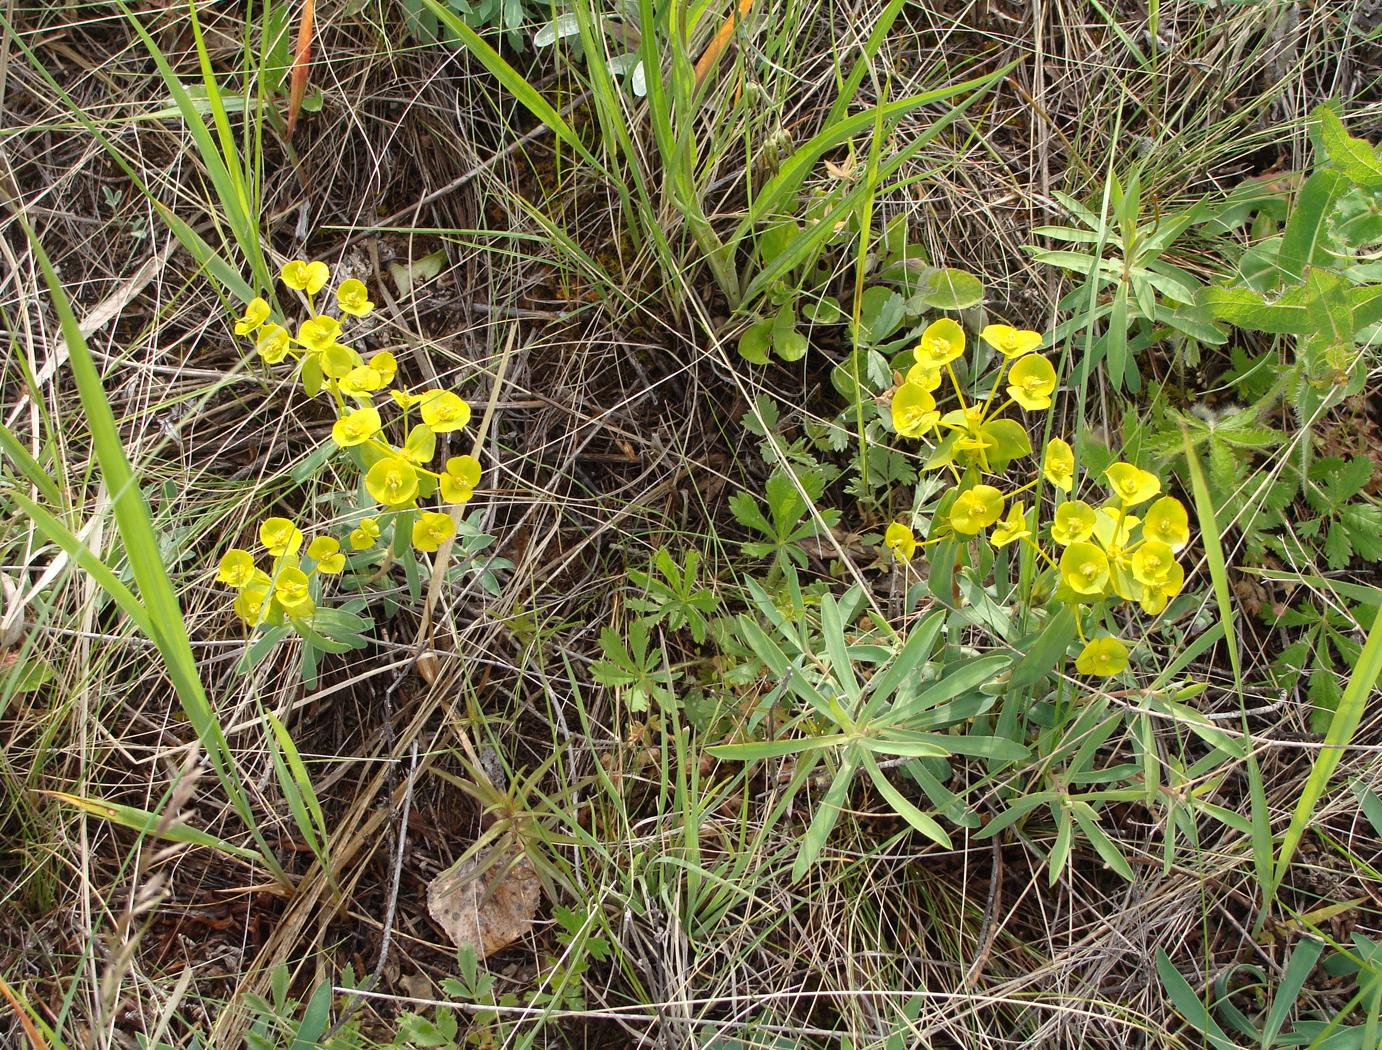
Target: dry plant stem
391 911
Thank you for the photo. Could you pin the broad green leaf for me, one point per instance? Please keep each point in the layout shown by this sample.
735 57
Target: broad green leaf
1354 157
1247 309
951 289
1307 232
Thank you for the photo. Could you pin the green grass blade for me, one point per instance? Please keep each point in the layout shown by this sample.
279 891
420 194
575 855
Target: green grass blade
1218 574
166 626
1342 727
152 825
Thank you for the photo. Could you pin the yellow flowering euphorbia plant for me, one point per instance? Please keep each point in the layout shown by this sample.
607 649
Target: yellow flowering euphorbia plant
396 476
1097 553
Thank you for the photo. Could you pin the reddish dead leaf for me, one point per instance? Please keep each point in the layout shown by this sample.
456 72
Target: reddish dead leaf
716 48
485 909
302 59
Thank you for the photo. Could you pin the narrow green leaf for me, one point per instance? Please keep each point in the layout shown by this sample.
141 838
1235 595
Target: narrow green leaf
1184 999
1342 728
904 808
146 823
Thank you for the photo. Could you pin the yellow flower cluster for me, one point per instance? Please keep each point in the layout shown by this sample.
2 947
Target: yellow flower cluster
286 590
1108 552
395 476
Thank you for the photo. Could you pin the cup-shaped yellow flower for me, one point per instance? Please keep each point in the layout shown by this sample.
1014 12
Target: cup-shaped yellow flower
1009 341
353 298
431 530
1013 527
361 382
254 604
385 364
364 534
443 411
256 313
317 333
403 399
1102 656
357 427
291 591
913 410
1131 485
1151 563
236 568
901 540
392 481
942 342
1031 382
280 536
1058 464
976 509
273 343
461 477
326 552
1167 522
1085 568
929 379
1074 522
309 277
1154 599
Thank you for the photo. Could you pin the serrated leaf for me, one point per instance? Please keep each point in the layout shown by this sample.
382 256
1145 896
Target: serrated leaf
1354 157
1337 548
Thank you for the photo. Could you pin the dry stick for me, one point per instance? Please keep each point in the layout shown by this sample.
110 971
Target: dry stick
988 929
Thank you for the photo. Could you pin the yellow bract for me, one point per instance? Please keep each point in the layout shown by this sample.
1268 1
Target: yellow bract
364 534
385 364
1031 382
1113 527
273 343
337 360
431 530
1074 522
913 411
326 552
280 536
361 382
304 276
929 379
942 342
353 298
236 568
1131 484
254 604
256 313
1168 522
1058 465
976 509
392 481
901 540
1154 598
291 592
1151 563
355 428
1014 527
1103 657
1084 567
318 333
461 477
1010 342
443 411
421 445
